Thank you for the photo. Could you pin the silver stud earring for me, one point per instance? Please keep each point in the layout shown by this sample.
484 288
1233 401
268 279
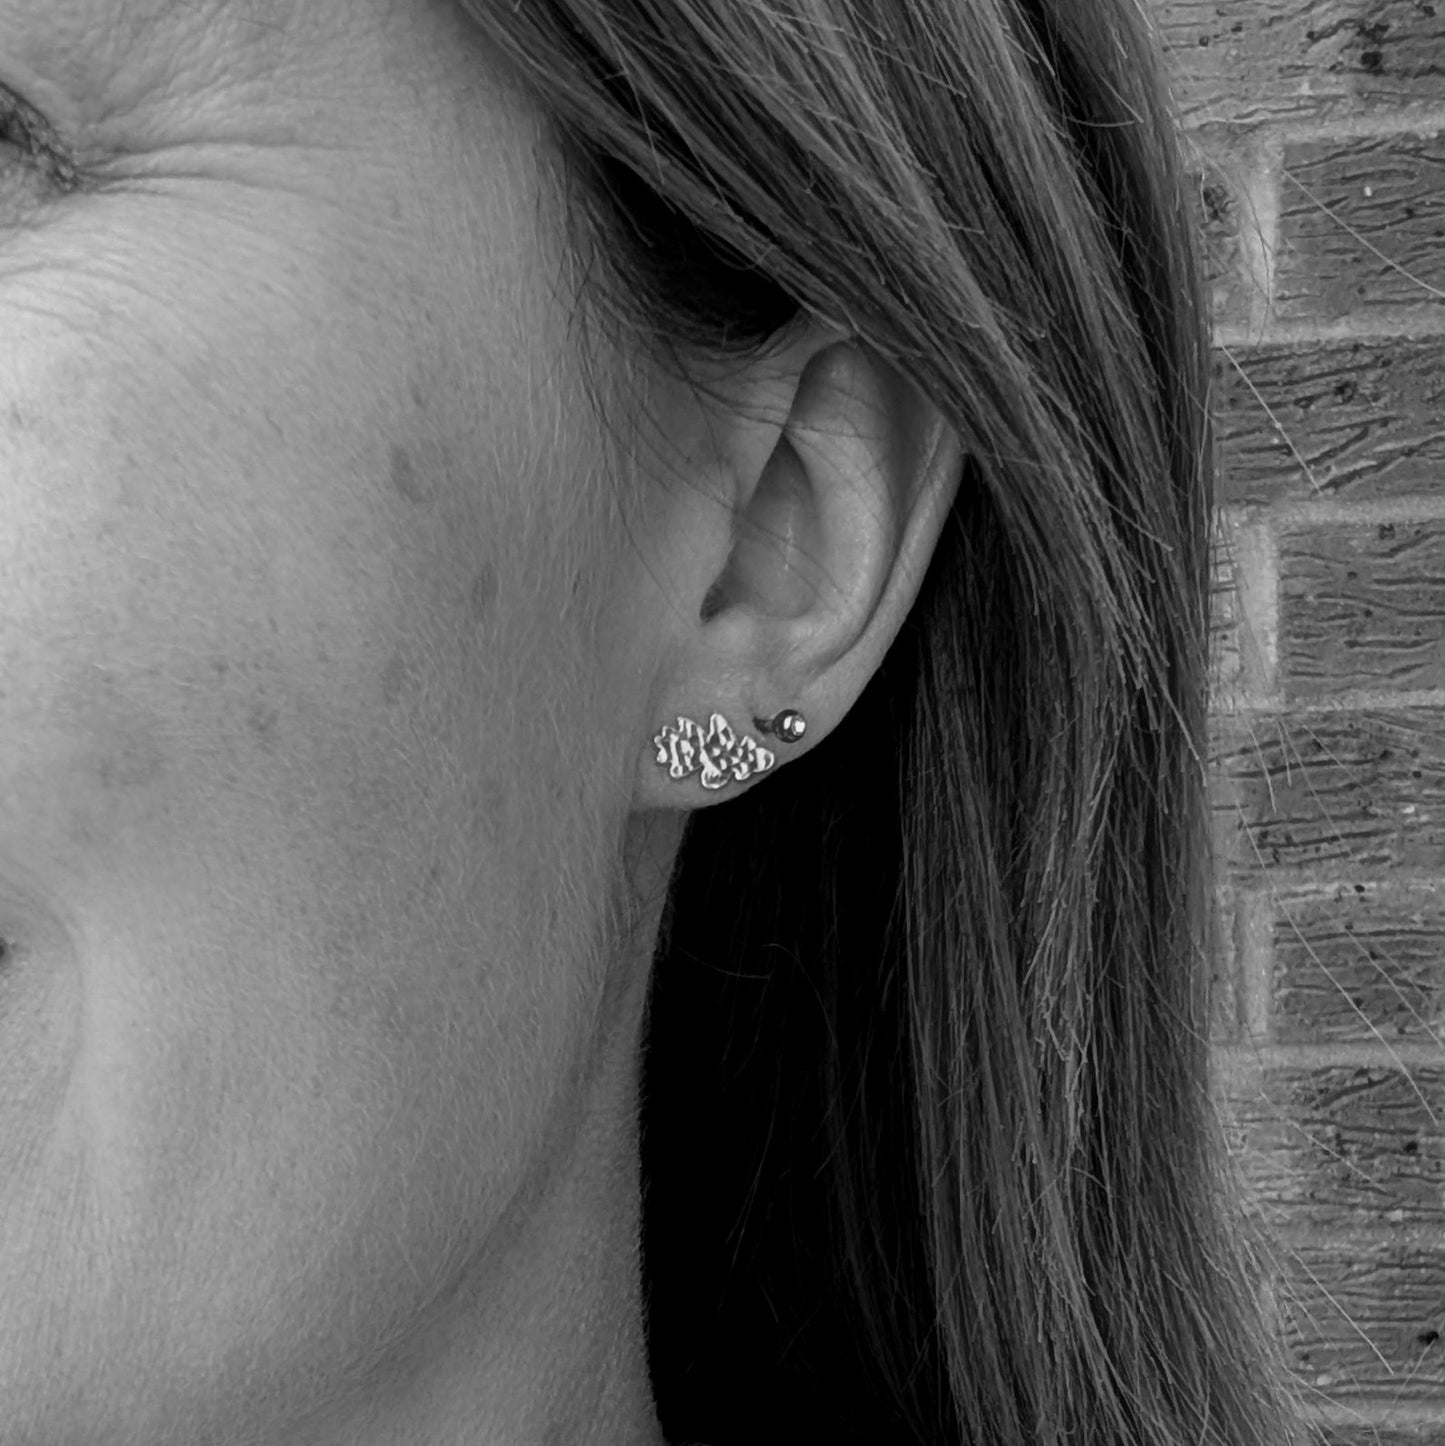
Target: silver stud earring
787 726
718 754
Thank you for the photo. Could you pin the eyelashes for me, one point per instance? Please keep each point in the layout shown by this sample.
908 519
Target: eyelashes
24 130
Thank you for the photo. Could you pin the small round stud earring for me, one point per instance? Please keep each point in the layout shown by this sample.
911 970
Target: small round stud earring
787 726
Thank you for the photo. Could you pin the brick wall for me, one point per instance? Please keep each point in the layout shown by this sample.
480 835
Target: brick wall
1319 132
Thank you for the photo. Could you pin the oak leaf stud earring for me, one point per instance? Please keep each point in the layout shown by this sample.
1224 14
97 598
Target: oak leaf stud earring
718 755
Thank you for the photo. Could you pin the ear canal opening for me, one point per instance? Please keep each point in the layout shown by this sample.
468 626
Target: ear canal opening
716 598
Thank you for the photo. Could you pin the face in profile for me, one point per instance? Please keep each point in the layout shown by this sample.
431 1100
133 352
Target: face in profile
312 727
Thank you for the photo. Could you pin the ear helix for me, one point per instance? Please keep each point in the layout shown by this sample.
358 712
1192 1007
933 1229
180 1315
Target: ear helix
719 755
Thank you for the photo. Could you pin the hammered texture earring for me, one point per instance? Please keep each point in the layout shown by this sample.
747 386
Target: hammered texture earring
718 755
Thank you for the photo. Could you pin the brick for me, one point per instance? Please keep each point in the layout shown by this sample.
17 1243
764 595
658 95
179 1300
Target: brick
1225 57
1362 1318
1252 552
1195 31
1359 964
1362 1433
1343 1148
1223 983
1224 658
1361 606
1219 178
1368 419
1375 211
1330 793
1259 60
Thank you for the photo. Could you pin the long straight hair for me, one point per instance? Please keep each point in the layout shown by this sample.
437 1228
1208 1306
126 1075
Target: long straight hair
928 1147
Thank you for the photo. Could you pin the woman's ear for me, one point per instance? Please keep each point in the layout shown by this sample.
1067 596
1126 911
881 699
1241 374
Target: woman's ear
839 474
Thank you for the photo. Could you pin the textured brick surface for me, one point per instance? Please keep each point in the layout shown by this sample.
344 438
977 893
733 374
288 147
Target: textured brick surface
1359 964
1361 222
1361 606
1365 1434
1262 60
1316 141
1341 793
1344 421
1222 170
1365 1317
1336 1149
1225 660
1225 1023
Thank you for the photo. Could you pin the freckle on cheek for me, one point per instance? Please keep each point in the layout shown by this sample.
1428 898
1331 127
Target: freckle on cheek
406 481
134 764
261 719
484 593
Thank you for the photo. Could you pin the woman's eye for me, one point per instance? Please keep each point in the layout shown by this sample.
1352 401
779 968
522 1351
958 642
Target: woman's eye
24 129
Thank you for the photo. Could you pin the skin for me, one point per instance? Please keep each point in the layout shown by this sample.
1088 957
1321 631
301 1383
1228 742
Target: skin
330 669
